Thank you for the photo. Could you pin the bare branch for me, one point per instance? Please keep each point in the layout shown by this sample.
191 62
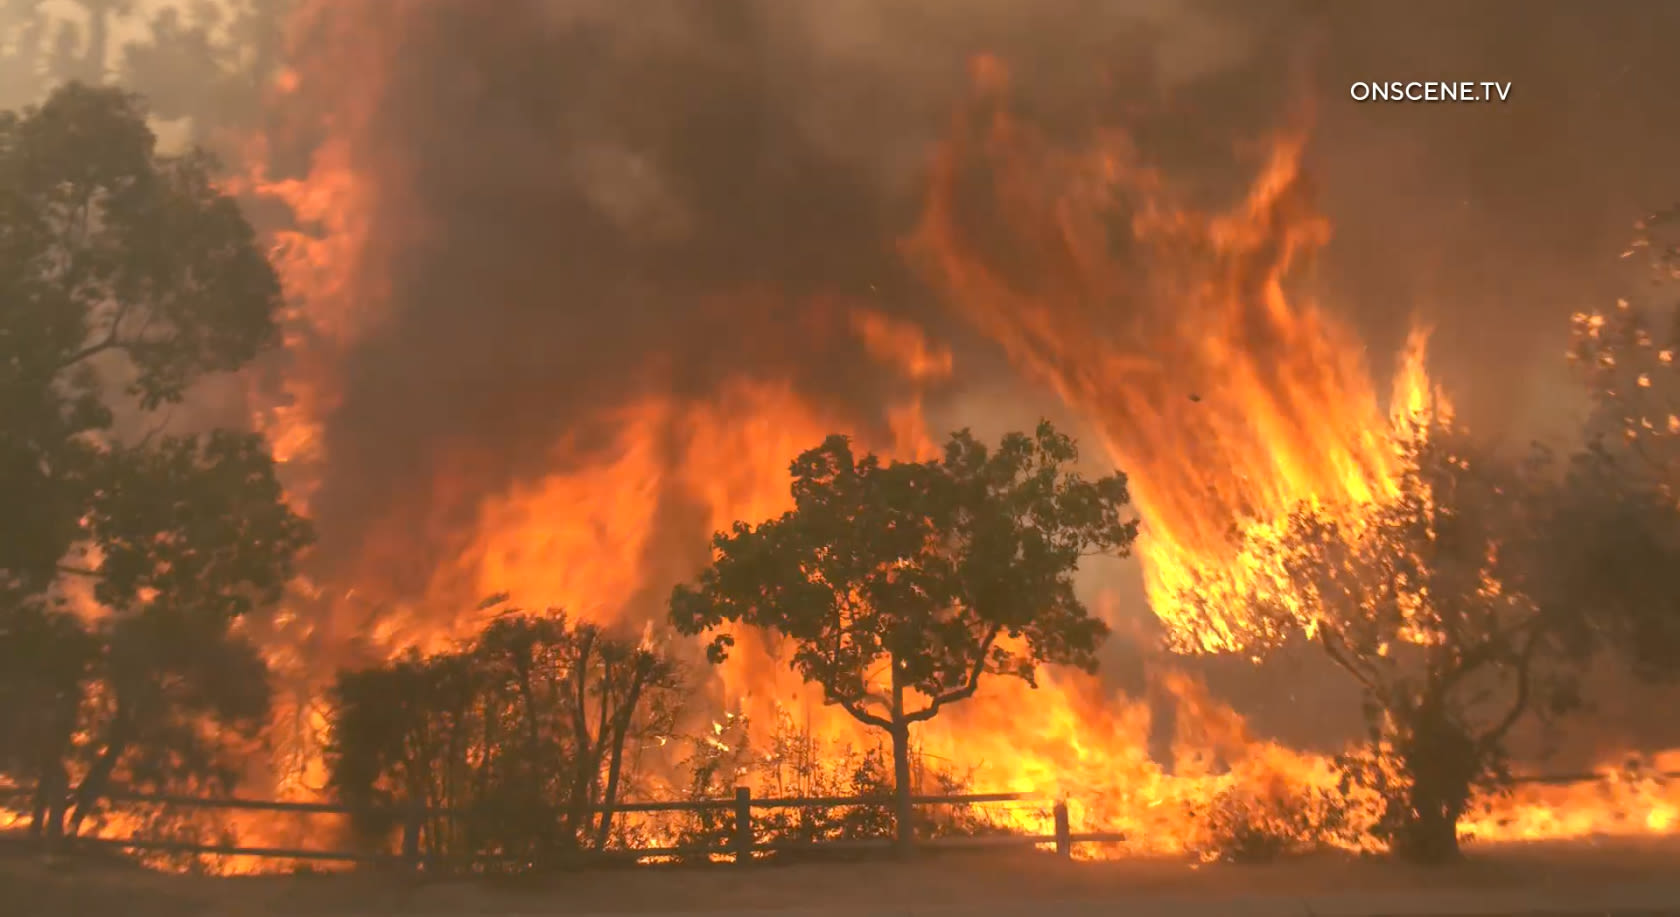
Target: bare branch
1489 650
970 684
111 340
862 715
1519 704
1336 648
157 428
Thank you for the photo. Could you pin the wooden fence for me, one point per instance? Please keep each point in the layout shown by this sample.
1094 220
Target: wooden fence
743 842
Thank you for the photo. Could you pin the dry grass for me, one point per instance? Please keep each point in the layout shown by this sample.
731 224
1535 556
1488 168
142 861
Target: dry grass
112 889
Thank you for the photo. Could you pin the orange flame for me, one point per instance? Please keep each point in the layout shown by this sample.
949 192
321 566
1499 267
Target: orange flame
1224 397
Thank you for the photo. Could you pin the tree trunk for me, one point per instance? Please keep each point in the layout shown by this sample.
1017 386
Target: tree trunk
615 760
578 802
37 815
97 781
1431 837
1442 762
904 815
39 805
586 760
47 802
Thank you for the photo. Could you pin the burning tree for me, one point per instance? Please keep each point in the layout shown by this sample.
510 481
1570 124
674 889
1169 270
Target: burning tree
125 277
533 727
909 582
1619 556
1435 599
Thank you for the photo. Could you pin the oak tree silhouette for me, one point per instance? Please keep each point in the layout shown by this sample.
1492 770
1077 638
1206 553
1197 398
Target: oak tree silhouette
902 585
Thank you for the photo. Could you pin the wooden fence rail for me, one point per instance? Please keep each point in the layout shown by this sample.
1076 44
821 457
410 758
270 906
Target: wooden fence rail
742 846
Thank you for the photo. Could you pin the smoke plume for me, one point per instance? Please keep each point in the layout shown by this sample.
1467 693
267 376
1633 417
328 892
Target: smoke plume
565 207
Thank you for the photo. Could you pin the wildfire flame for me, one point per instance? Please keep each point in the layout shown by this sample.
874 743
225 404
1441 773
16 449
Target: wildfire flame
1224 398
1176 335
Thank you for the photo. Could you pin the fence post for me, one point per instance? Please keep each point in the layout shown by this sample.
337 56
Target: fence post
743 825
412 822
1064 837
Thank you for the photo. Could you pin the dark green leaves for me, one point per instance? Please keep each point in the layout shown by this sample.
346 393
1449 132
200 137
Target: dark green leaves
950 569
112 248
121 272
126 277
1618 553
531 725
198 523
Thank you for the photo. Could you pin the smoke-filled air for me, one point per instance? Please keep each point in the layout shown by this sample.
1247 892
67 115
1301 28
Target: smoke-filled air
1311 488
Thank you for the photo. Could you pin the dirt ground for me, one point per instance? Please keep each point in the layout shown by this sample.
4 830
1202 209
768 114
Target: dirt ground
982 879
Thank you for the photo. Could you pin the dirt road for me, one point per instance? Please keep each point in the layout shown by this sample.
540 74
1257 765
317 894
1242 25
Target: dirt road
1622 878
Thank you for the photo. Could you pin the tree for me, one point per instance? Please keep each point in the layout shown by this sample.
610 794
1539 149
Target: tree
939 573
211 62
192 533
114 262
534 726
207 61
125 277
1435 602
47 659
1620 550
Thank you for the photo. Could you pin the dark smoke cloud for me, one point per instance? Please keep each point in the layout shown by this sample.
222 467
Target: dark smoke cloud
1495 221
621 209
632 198
623 200
584 201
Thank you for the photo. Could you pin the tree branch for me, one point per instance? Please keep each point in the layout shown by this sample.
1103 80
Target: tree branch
1637 444
580 693
1335 649
862 715
156 429
970 684
1489 650
1519 704
109 342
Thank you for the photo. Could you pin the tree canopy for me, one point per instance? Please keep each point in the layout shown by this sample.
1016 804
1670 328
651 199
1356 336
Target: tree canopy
902 585
121 271
126 277
1620 548
533 724
1437 602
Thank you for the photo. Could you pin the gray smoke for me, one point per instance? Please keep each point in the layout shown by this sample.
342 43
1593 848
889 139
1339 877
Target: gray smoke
659 197
582 201
612 180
